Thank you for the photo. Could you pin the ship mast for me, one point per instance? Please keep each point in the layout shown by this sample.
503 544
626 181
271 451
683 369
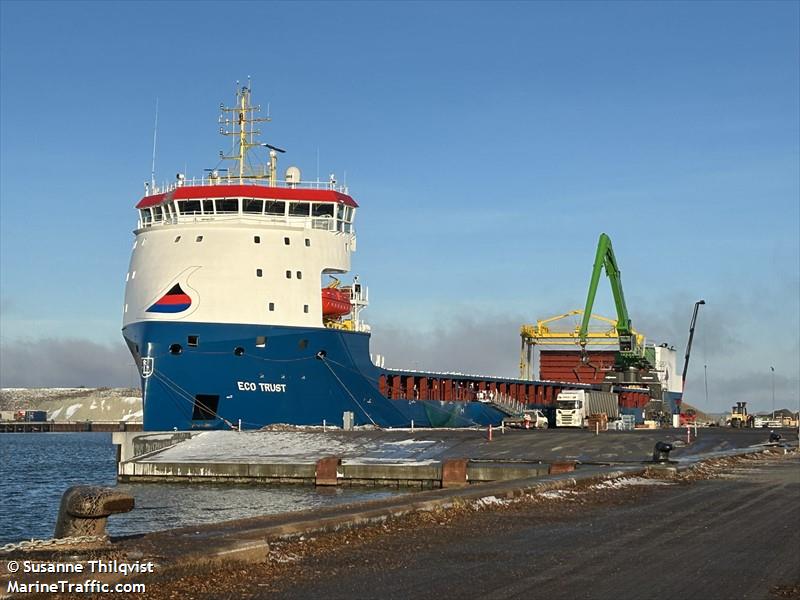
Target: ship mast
239 122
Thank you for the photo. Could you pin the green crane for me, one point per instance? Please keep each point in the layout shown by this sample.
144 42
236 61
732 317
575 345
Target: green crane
630 354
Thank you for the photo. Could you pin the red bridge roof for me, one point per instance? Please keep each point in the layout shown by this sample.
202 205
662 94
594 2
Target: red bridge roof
246 191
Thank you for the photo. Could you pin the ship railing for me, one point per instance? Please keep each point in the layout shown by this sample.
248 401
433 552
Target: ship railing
320 223
317 184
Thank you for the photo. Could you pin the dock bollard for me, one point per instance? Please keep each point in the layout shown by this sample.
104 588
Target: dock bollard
490 432
661 452
688 434
85 510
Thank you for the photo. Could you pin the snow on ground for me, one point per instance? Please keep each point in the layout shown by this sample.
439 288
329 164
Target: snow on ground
72 410
136 416
557 494
491 501
292 447
626 482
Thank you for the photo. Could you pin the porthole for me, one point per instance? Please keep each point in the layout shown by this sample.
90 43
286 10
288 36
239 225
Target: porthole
288 274
199 238
308 242
299 274
256 239
286 241
238 351
175 349
259 272
305 308
272 306
177 239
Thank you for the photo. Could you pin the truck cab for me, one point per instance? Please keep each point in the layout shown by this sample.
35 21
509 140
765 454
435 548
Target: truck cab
570 409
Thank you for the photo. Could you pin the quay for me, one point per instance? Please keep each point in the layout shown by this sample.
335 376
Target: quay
61 426
421 459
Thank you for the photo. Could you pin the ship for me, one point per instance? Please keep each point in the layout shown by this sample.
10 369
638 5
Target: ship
240 310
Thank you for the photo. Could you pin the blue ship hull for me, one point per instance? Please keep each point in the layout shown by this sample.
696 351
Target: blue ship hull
260 375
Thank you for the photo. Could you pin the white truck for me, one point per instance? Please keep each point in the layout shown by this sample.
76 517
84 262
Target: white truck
573 407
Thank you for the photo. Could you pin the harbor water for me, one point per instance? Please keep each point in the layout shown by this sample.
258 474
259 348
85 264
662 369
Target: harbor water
36 468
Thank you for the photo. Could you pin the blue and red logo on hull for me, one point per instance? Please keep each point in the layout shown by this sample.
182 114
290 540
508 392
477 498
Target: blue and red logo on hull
174 301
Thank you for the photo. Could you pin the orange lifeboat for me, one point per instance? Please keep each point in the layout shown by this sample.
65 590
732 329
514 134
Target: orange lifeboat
335 303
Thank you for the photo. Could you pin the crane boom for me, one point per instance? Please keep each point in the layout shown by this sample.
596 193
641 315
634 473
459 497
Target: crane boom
604 258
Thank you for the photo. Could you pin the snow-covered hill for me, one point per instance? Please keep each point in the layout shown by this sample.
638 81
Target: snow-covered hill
76 404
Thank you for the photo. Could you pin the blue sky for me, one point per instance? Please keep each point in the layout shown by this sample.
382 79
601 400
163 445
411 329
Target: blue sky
489 144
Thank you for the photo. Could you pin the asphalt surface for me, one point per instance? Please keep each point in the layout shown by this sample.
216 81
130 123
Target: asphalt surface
732 537
399 446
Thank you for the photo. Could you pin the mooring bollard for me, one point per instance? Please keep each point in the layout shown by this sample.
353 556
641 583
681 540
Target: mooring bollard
597 427
85 510
490 432
324 425
688 434
661 452
412 424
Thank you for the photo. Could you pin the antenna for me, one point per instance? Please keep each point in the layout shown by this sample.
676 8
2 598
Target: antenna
153 165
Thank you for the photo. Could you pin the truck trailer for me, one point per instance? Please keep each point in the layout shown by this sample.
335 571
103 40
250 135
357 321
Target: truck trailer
573 407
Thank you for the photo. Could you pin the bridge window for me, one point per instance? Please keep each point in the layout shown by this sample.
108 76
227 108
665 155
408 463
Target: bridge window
158 214
322 209
208 207
250 205
274 207
147 216
227 205
299 209
189 207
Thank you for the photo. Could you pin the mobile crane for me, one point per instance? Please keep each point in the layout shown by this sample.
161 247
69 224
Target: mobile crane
630 365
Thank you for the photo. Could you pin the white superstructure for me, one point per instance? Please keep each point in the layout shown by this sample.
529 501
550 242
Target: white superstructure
243 248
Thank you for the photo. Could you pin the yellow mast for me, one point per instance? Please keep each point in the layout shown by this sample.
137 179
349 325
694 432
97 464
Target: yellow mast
241 126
